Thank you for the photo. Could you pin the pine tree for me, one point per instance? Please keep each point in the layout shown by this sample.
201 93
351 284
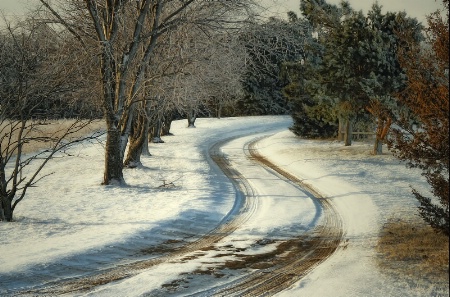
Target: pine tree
386 76
311 119
358 67
341 66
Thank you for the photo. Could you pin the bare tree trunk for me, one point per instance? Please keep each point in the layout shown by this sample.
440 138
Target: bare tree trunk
158 130
113 155
378 147
219 110
113 158
167 122
348 132
6 211
383 127
134 153
191 117
4 201
114 79
340 135
378 144
145 148
137 139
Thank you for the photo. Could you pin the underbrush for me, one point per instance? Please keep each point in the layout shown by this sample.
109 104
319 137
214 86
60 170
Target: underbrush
414 252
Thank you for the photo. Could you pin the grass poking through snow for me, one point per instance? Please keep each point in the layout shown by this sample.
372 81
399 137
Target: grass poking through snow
413 251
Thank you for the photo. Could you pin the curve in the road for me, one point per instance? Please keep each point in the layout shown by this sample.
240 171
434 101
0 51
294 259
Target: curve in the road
319 245
309 251
243 208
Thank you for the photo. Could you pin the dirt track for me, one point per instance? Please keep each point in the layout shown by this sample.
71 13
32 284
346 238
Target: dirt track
305 252
292 260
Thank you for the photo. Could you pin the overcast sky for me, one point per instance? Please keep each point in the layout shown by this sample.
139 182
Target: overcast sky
414 8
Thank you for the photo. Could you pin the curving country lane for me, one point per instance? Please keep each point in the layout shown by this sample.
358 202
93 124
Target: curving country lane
306 251
254 253
301 253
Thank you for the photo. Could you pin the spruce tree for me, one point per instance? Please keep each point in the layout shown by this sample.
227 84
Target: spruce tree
358 66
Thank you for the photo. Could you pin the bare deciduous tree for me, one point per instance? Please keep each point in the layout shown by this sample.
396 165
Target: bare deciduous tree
35 74
127 34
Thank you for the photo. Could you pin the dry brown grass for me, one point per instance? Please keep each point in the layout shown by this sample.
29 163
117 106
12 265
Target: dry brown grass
54 128
414 250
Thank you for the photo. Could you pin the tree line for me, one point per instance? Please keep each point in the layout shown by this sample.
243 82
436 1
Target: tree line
385 70
141 64
136 64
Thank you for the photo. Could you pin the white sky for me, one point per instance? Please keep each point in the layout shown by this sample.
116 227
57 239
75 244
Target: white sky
414 8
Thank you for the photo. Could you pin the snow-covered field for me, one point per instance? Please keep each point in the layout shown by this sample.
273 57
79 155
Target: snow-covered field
70 225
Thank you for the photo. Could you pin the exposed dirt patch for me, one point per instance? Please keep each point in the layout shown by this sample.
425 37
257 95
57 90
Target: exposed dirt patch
173 286
413 251
284 251
209 271
165 247
280 268
291 259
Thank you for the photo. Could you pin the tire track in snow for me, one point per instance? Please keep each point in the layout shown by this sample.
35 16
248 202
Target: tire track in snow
323 241
243 208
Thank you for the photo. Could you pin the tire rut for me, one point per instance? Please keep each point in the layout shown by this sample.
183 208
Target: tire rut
317 246
244 206
324 241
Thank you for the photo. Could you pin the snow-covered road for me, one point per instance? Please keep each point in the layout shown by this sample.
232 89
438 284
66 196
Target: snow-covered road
83 230
268 211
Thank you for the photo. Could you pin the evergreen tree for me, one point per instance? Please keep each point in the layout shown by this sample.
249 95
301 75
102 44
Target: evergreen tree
307 116
333 81
386 76
358 66
312 118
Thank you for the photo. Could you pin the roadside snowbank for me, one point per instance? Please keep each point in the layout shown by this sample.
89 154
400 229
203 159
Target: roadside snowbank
366 190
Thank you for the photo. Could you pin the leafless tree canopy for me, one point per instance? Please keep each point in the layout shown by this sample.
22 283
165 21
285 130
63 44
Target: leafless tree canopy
38 82
125 36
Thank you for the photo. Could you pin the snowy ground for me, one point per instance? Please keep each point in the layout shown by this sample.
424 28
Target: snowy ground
71 225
